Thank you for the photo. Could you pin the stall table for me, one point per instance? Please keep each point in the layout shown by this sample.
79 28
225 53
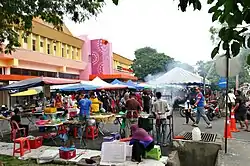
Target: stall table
2 120
102 119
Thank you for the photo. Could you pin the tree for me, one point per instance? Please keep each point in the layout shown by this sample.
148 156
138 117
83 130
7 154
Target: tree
233 13
149 61
184 66
19 13
208 69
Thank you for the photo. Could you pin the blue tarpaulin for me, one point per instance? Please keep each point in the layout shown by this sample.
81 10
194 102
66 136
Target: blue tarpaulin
79 87
116 81
131 83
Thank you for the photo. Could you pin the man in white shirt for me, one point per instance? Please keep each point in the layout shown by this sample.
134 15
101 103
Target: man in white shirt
231 100
160 108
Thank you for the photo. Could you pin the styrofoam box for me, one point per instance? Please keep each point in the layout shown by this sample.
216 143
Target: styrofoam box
113 152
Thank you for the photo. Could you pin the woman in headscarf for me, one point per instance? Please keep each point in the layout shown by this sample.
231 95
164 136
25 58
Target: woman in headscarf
141 142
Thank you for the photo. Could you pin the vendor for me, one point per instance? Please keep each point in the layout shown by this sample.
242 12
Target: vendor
58 101
95 106
133 107
141 142
105 99
17 118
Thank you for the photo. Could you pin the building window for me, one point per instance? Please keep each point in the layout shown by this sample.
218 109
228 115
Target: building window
73 56
68 76
41 44
34 45
48 48
54 53
25 40
63 52
67 51
15 71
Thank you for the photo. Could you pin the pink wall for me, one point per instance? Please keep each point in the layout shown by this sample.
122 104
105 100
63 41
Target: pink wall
86 53
98 56
101 57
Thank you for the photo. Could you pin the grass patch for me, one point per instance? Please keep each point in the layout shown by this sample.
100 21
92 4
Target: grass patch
14 161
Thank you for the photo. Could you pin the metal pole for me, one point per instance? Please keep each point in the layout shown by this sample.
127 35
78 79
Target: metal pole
227 75
237 82
204 85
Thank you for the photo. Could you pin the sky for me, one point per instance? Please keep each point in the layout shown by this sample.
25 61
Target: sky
158 24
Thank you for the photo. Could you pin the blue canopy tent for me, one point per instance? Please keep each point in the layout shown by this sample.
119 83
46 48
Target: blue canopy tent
116 81
131 83
79 87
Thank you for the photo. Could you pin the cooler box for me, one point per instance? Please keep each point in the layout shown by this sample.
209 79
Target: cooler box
125 139
108 139
115 135
67 154
154 153
36 143
50 110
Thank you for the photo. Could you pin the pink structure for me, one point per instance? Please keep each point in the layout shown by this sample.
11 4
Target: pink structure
98 55
101 57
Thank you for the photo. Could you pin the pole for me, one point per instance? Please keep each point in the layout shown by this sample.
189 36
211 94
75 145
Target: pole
237 82
204 84
227 75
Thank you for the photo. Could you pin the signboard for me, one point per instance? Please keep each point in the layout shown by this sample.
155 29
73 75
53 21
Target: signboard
120 68
222 83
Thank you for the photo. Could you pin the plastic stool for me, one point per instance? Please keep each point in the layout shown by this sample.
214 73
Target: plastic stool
75 132
91 132
24 146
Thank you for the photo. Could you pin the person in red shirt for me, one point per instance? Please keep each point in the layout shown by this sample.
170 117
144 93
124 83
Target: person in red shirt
133 107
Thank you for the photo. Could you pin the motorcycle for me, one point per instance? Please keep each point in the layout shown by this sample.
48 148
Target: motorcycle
183 110
212 111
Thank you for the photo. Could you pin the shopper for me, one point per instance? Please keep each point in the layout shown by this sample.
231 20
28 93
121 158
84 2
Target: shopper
200 104
160 109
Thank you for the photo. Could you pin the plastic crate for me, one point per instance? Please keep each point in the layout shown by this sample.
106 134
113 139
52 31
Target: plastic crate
108 139
67 154
36 143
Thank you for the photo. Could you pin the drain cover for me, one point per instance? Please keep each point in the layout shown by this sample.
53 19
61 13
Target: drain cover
206 137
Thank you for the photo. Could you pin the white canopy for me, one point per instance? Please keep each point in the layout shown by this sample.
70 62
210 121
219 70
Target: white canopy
54 87
104 85
178 76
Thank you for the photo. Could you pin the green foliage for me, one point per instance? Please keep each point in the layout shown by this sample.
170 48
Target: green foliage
233 14
208 70
21 12
149 61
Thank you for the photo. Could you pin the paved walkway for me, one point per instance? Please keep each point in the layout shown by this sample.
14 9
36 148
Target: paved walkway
7 149
238 153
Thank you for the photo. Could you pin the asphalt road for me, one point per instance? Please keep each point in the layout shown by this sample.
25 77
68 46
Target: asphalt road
218 126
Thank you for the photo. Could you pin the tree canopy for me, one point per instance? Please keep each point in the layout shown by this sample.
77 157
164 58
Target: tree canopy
20 13
233 13
208 70
149 61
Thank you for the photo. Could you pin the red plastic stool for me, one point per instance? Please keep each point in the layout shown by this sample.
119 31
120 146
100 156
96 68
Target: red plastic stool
75 132
24 146
91 132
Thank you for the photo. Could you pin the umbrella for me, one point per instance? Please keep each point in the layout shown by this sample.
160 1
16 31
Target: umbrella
38 81
29 92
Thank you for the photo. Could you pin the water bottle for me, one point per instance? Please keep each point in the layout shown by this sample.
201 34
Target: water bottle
196 134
